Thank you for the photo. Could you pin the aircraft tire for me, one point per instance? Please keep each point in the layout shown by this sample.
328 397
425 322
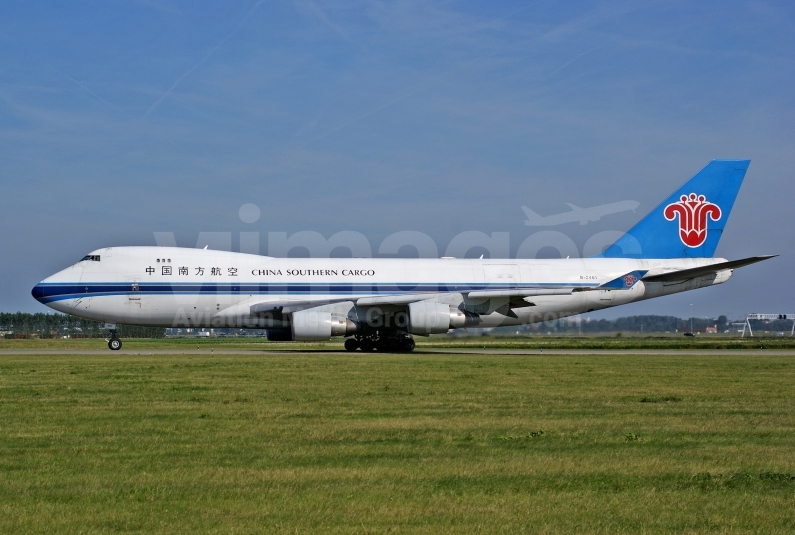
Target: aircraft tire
409 344
114 344
351 344
366 346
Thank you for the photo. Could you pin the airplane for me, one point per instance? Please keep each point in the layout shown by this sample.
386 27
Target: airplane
583 215
382 303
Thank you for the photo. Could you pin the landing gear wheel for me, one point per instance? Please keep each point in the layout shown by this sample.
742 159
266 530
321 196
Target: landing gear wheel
351 344
114 344
408 344
366 346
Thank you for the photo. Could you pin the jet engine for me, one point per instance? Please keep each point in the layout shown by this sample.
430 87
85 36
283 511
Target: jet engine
433 318
310 325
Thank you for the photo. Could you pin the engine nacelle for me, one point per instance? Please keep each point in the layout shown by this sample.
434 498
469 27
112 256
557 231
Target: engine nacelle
431 318
312 325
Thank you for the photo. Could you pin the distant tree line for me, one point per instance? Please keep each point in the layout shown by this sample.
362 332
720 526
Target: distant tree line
652 324
45 325
23 325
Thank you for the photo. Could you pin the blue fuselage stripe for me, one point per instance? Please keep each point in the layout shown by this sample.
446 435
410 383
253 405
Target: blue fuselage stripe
48 292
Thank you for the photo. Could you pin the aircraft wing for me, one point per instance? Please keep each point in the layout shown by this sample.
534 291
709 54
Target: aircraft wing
281 308
288 307
397 299
624 282
685 274
518 292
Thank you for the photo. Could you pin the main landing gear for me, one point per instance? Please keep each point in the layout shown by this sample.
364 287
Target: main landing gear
114 344
397 344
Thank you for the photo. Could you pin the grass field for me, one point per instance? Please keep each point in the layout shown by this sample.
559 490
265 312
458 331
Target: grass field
604 342
373 443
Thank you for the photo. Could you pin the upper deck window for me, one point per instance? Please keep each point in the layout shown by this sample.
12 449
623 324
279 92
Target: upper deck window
92 257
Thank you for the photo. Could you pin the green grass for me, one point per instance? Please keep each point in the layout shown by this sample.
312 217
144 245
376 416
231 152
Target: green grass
602 342
370 443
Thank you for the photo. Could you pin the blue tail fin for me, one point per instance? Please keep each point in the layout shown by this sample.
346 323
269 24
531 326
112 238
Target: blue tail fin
690 222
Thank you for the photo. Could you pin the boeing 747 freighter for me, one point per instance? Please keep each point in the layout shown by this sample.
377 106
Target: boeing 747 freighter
381 303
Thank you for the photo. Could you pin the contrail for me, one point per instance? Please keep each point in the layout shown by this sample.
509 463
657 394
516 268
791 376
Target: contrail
165 95
81 86
419 87
553 73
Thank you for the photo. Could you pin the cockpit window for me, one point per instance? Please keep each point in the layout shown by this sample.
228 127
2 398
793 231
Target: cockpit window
91 257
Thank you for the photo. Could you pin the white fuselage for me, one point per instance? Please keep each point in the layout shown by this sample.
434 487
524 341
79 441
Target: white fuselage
180 287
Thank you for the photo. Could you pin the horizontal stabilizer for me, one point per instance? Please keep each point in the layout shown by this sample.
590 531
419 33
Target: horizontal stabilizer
684 274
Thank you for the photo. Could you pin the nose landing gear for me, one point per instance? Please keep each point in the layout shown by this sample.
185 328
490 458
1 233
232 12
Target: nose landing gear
114 344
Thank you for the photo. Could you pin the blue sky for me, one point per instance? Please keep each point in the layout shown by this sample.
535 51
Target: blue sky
120 119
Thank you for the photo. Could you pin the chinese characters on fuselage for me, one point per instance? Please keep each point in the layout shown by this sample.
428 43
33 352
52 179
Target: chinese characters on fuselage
216 271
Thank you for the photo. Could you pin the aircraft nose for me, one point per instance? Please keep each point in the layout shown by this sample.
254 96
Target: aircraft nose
38 292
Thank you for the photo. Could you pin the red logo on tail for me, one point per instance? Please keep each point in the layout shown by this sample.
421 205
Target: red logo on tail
693 211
